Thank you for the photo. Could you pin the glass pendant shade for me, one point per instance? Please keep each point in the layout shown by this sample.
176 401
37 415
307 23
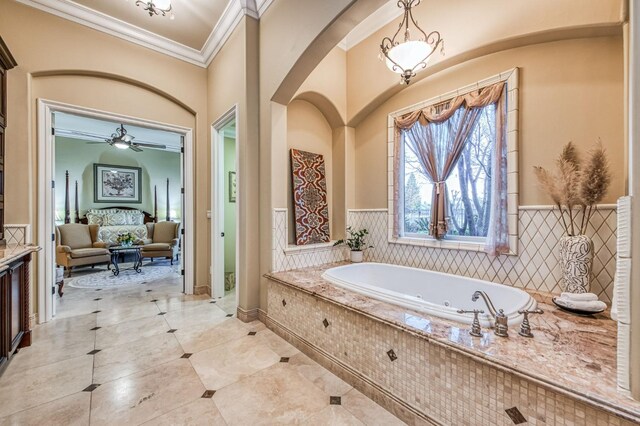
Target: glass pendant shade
121 145
408 55
162 4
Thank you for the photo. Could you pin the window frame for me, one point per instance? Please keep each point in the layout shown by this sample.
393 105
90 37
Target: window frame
460 242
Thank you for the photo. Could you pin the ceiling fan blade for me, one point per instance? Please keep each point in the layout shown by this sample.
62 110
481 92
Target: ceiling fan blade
150 145
96 143
135 148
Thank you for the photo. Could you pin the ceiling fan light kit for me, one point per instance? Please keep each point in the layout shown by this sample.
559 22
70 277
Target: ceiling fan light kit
404 55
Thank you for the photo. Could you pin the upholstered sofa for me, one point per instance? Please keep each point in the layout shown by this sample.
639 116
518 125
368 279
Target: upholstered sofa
78 245
163 240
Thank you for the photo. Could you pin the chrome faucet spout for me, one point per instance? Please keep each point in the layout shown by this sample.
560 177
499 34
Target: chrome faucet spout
487 301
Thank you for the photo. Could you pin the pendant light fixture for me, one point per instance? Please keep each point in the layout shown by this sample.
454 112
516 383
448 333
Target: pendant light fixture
405 55
157 7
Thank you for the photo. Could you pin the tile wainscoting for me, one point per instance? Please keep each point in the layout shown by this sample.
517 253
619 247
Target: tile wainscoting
287 257
418 379
536 267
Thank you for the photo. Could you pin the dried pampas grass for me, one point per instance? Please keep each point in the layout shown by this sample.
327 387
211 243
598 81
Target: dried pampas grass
576 185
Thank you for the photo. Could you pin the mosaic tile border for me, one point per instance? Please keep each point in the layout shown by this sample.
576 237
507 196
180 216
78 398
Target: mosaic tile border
431 381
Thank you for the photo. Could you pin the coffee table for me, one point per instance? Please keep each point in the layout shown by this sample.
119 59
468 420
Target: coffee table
116 251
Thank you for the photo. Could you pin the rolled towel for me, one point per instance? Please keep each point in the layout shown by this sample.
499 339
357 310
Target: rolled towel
590 306
579 297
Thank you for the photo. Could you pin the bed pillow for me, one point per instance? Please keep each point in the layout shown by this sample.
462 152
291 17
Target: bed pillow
134 217
95 219
115 219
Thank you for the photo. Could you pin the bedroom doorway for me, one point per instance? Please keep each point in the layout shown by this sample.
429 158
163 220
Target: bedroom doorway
224 209
131 177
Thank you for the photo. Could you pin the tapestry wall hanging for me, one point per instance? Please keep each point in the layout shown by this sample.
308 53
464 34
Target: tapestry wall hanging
309 198
117 183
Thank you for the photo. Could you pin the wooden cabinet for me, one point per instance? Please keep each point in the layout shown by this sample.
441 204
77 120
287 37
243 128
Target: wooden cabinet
14 308
6 63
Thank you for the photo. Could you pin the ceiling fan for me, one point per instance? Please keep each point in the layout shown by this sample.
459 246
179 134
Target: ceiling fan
120 139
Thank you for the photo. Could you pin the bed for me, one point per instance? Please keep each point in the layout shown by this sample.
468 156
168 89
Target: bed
117 220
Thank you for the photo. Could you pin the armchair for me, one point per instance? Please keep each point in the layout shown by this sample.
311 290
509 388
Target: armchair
163 240
77 245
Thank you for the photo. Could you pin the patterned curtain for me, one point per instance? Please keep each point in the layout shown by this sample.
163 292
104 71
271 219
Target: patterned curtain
438 149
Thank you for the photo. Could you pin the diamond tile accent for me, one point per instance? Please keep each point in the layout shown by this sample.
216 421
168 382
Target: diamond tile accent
252 333
515 415
91 387
173 330
335 400
208 394
95 328
392 355
93 352
186 356
284 359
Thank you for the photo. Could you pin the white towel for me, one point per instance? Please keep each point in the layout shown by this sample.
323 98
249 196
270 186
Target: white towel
591 306
579 297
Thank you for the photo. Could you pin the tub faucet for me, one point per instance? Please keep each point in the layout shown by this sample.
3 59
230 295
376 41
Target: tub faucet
501 320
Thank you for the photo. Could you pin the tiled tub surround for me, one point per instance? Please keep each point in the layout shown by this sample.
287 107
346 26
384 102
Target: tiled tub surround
535 268
565 375
286 257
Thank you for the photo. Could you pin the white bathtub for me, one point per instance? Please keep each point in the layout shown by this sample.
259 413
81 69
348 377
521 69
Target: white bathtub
433 293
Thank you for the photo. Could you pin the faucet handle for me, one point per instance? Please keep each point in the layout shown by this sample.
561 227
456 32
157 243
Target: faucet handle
476 330
525 327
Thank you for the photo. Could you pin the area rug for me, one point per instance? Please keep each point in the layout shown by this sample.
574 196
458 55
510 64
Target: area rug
127 277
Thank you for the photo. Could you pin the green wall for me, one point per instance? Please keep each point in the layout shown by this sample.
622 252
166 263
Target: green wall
229 208
78 158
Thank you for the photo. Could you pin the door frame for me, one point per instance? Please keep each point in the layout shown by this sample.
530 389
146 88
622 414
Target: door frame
217 207
46 194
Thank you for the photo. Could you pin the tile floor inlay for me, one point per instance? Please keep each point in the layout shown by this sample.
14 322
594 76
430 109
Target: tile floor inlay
196 364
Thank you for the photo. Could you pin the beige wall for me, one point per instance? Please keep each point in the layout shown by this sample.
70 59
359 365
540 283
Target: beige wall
569 91
67 62
492 25
308 130
232 80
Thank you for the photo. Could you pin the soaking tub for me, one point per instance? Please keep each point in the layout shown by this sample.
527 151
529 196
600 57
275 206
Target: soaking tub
433 293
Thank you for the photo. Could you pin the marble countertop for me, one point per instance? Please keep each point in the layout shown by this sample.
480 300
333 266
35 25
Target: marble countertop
574 355
12 252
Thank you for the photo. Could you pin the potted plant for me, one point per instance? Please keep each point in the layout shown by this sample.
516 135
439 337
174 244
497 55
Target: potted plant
126 239
576 188
356 243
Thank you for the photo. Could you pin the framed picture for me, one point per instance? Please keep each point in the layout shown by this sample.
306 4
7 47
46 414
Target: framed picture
233 187
117 184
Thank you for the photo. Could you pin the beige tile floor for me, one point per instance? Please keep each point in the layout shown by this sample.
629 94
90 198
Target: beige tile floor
150 354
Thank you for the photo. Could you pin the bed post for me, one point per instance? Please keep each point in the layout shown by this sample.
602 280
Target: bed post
77 219
155 203
67 212
168 211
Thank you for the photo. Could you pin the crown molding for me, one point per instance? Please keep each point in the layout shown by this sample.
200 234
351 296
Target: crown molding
231 17
371 24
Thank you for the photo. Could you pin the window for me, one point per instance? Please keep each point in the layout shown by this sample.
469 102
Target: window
453 169
468 186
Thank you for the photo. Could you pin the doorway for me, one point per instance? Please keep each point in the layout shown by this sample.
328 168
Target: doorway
224 210
48 215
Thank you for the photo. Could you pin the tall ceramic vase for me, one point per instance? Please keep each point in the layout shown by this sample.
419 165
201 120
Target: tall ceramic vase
576 253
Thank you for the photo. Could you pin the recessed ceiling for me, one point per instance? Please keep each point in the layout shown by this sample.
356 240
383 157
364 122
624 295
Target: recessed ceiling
194 19
94 130
196 35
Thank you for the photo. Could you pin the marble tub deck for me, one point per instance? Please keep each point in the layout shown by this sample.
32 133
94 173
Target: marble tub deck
573 355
